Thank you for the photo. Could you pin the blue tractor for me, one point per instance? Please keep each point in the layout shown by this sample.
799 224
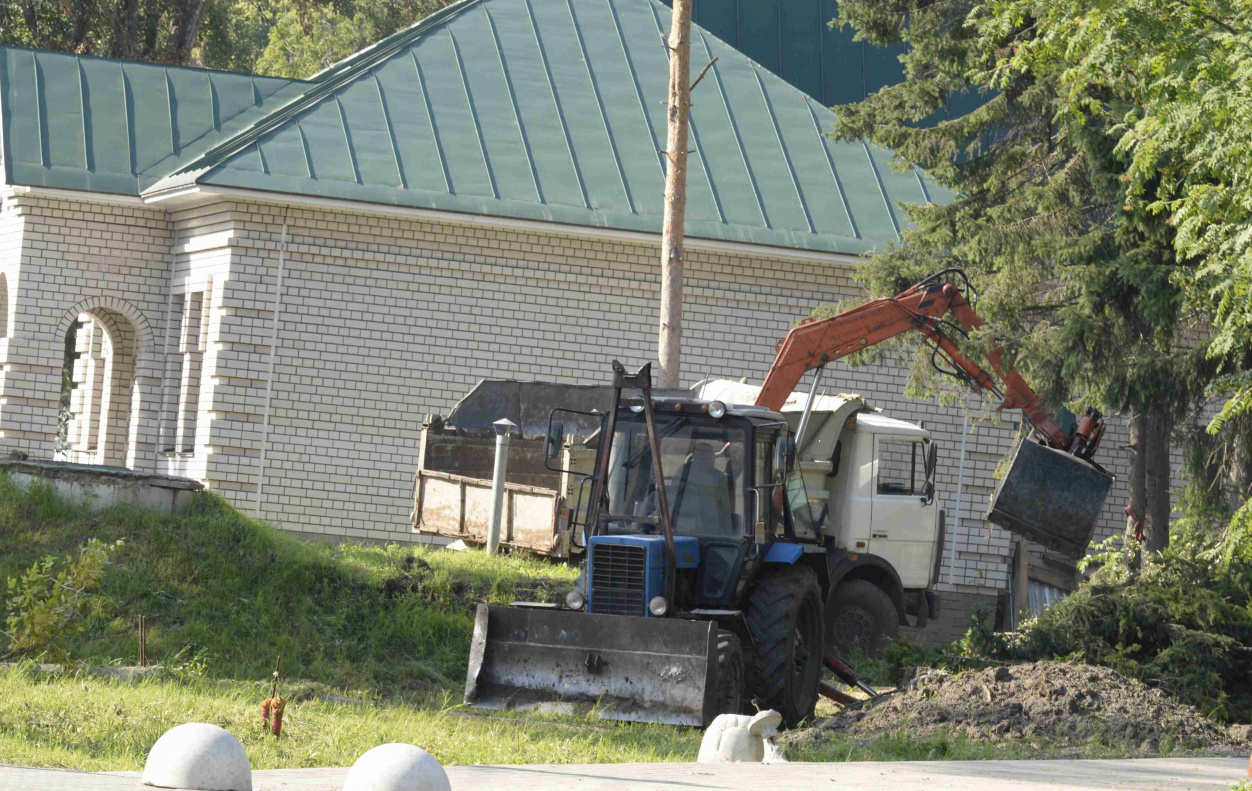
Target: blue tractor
703 587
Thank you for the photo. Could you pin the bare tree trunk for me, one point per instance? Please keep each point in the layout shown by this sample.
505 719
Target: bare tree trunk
123 16
31 17
1240 445
1156 481
669 338
1137 506
189 14
81 14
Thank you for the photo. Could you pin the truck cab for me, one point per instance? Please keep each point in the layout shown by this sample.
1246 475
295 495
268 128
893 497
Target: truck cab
869 482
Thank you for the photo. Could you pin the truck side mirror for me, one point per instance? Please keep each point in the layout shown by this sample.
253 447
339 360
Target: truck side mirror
556 438
785 455
932 456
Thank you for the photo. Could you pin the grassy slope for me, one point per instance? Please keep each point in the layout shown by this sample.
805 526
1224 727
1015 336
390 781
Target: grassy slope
388 623
238 592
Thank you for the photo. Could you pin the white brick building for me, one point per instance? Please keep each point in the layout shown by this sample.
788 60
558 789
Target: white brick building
275 281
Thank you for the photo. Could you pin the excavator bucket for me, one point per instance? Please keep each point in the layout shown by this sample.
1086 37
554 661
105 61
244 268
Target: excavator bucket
1050 497
661 670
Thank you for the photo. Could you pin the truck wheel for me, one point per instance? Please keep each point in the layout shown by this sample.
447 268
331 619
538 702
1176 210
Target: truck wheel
784 616
729 673
860 615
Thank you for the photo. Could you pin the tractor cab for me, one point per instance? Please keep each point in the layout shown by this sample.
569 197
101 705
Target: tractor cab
728 484
729 478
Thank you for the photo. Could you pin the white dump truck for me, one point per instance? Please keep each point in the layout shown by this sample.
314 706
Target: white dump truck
869 480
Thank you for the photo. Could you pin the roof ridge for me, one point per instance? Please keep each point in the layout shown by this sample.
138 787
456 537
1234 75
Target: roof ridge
323 84
133 62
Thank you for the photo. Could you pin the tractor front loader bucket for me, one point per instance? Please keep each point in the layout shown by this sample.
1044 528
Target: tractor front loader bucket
661 670
1050 497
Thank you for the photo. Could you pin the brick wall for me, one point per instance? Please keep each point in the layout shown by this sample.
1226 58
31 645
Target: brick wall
64 258
955 609
383 319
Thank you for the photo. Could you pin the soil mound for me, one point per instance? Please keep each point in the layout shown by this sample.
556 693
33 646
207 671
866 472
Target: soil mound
1056 707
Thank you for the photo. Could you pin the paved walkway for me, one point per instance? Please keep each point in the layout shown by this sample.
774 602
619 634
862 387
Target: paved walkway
1155 774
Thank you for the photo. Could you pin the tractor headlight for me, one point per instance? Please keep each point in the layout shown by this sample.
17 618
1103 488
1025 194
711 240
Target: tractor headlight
658 606
575 600
717 409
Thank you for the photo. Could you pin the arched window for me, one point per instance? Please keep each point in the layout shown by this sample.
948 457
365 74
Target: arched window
94 425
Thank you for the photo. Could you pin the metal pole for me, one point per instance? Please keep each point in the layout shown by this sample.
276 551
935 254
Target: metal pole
504 430
960 500
269 380
808 407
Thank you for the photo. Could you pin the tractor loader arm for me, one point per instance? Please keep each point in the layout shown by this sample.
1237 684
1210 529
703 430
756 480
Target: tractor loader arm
923 308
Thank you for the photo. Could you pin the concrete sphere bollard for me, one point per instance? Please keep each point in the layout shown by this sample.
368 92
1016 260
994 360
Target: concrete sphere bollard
198 756
736 738
396 767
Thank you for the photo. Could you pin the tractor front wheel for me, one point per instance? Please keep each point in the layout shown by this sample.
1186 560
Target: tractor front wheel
785 618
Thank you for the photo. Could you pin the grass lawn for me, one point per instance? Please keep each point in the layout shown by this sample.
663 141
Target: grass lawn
225 595
92 724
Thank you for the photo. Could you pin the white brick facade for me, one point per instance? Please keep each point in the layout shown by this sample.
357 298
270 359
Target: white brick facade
381 319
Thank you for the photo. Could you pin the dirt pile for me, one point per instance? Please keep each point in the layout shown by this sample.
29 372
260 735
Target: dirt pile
1054 707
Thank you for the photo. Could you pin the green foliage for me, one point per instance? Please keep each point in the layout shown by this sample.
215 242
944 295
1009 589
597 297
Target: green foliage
289 38
1184 622
1183 67
305 38
45 602
1076 281
234 592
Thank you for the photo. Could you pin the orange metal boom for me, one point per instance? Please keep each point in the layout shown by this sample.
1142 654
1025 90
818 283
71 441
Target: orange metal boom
922 308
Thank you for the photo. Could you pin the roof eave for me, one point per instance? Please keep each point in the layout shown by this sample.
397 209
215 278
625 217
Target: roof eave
176 196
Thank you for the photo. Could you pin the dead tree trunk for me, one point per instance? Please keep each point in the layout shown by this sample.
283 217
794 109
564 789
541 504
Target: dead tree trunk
669 339
1137 506
1240 456
1156 483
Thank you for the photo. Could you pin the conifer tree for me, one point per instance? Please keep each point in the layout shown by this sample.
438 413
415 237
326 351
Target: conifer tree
1076 280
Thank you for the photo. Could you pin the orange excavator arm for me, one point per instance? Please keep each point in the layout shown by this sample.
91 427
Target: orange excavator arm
922 308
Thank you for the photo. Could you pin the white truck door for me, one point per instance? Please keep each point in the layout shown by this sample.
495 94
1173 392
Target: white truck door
902 524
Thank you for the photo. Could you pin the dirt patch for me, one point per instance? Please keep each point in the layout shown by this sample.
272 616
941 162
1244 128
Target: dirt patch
1059 708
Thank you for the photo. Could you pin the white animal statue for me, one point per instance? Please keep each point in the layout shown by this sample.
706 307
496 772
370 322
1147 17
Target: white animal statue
739 738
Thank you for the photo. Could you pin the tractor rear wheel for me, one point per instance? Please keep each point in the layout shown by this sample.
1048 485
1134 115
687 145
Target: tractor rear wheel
729 673
784 615
861 616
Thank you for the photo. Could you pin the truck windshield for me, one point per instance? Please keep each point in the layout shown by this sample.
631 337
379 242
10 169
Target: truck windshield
703 466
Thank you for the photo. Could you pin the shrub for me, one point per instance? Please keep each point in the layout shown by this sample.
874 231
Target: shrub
46 602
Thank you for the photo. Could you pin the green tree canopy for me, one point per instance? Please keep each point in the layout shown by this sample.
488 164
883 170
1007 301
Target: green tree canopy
1097 117
289 38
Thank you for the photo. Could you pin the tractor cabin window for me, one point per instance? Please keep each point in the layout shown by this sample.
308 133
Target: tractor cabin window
901 467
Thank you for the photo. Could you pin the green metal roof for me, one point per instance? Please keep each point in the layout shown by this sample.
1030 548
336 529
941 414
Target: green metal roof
547 110
81 122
